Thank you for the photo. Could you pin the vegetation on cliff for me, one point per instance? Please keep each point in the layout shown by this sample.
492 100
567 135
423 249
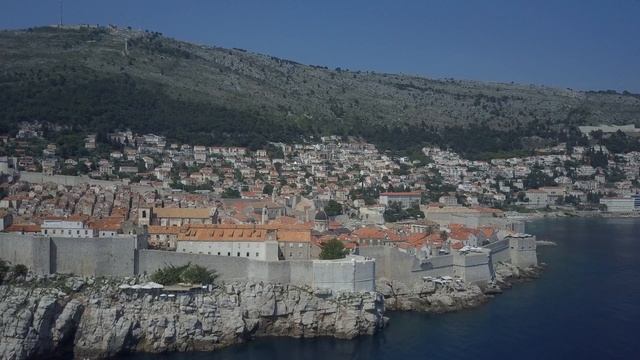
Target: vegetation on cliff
188 274
100 79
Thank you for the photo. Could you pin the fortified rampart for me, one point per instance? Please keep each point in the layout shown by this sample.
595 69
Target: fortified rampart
394 264
126 256
473 267
70 180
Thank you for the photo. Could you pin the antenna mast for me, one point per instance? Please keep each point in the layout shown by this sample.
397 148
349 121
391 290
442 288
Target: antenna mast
61 10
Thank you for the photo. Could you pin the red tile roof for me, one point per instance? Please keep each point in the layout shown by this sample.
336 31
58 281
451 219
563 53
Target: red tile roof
23 228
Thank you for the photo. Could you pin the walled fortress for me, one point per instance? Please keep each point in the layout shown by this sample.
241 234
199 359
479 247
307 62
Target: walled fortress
127 255
475 265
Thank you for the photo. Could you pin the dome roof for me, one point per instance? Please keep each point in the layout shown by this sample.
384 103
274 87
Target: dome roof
321 215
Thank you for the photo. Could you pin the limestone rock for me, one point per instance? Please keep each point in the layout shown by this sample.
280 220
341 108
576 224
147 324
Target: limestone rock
98 320
428 296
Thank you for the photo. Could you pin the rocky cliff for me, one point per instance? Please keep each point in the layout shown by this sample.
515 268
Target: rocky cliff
430 297
438 296
70 317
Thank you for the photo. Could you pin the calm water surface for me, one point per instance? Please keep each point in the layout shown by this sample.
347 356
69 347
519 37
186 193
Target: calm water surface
585 306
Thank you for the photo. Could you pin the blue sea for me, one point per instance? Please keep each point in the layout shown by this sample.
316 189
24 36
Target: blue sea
586 305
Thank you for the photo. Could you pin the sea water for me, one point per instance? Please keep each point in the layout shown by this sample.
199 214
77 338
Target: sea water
586 305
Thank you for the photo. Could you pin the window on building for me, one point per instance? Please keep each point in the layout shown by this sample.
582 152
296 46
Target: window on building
144 214
290 254
247 254
238 253
218 253
45 231
229 254
257 254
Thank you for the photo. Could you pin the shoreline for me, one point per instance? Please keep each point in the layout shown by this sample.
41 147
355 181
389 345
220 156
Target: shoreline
574 214
65 317
62 317
433 298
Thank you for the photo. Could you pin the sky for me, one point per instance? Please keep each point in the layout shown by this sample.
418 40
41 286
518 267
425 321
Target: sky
578 44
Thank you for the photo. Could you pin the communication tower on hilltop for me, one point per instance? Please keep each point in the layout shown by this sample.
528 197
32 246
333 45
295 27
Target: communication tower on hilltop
61 11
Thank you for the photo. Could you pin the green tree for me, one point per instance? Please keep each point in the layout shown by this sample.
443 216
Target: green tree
196 274
267 189
168 275
4 268
333 249
598 158
537 178
333 208
230 193
189 273
615 174
395 212
19 270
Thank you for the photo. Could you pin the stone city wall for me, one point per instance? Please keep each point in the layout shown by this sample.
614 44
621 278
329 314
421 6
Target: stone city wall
393 264
499 251
31 251
228 268
473 267
523 251
347 274
69 180
123 256
94 256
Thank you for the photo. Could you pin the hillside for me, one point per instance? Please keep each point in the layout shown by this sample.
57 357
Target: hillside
88 79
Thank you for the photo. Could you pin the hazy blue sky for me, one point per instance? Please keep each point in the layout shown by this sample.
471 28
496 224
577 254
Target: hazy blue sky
581 44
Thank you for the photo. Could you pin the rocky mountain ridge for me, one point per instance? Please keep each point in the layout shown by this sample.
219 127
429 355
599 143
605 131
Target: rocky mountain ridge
99 78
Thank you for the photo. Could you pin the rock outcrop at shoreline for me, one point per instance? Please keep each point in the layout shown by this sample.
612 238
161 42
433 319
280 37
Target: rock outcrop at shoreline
436 297
49 319
507 274
430 297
